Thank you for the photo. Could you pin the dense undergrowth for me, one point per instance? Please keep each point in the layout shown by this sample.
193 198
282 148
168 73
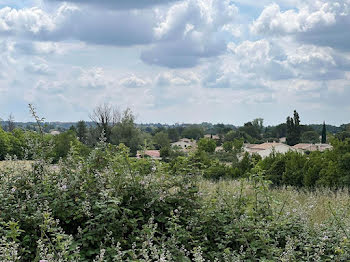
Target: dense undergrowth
109 207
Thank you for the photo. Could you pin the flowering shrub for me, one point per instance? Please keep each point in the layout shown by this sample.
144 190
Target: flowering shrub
110 207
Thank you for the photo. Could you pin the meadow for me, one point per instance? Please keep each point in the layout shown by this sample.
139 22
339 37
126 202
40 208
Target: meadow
110 207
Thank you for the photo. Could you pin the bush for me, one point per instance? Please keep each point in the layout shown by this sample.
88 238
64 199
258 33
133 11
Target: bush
110 207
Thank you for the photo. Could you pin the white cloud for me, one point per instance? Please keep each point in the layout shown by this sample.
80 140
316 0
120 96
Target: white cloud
40 68
85 24
68 58
94 78
134 82
120 4
29 20
321 22
191 30
177 79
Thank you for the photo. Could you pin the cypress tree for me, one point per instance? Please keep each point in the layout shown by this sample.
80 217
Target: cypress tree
82 131
324 134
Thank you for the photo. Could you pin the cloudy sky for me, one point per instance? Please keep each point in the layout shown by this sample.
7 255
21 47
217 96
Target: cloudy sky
177 60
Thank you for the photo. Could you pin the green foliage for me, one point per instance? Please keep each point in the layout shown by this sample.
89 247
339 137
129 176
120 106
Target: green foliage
310 137
125 132
170 153
161 140
343 135
193 132
4 144
329 168
207 145
228 146
102 204
293 129
82 131
253 130
111 207
173 134
324 134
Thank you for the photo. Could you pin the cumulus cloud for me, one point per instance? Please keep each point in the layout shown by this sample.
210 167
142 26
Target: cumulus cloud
134 82
177 79
40 69
94 78
47 48
178 36
70 22
191 30
29 21
295 59
120 4
321 22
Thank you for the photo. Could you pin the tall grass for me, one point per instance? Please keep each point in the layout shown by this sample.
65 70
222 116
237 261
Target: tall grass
316 206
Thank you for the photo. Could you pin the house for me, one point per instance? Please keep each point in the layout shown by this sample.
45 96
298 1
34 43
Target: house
185 144
313 147
55 132
265 149
155 154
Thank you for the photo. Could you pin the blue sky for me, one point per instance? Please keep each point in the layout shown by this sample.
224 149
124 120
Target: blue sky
177 60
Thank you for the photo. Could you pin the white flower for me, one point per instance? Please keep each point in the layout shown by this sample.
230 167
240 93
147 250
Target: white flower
13 190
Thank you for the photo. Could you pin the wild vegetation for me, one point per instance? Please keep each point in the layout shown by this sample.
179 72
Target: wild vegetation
78 202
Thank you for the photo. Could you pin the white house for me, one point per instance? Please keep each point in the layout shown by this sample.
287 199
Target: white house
313 147
185 144
265 149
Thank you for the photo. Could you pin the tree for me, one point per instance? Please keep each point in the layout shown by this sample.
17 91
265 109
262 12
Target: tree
193 132
251 130
4 144
293 129
73 128
81 130
11 123
342 136
106 117
324 134
228 146
258 123
310 137
62 144
231 135
173 134
17 143
207 145
161 139
238 145
126 132
280 131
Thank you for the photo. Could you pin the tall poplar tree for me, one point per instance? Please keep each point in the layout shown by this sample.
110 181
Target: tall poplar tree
293 129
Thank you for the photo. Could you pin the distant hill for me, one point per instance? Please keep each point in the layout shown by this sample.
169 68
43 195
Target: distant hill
329 128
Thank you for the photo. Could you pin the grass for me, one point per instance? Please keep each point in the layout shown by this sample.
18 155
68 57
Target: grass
16 164
317 207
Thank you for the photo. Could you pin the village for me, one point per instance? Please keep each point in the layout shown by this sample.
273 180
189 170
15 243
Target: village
263 150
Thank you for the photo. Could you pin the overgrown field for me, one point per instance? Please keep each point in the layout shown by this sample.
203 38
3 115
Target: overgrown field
110 207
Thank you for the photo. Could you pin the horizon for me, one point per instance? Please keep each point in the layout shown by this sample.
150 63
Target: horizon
178 61
166 124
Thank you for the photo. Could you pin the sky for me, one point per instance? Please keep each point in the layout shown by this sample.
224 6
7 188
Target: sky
176 61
